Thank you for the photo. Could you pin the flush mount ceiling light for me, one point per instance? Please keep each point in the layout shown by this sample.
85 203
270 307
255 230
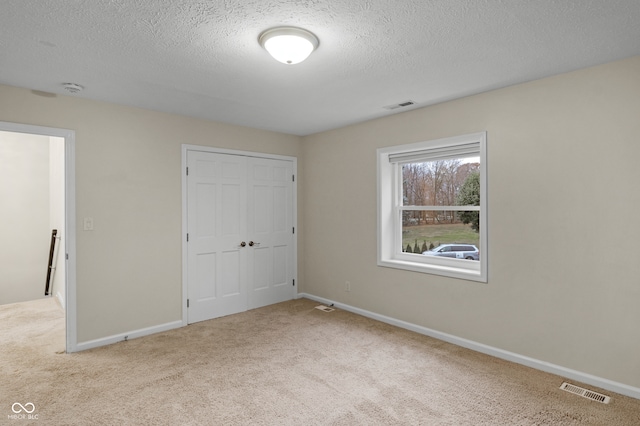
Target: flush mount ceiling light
288 45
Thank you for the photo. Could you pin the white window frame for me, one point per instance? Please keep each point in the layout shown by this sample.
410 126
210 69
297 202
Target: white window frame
390 208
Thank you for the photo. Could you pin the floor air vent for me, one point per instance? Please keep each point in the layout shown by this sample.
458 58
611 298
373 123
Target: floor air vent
325 308
585 393
400 105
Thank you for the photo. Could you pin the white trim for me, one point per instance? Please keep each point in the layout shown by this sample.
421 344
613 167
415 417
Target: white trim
185 228
70 217
188 147
294 218
103 341
434 268
71 306
440 208
547 367
60 299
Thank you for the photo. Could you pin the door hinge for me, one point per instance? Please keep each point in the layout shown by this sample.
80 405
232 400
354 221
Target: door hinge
293 231
187 237
294 283
66 256
187 303
293 178
187 171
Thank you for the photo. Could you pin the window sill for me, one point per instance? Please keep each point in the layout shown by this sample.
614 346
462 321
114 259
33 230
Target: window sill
446 271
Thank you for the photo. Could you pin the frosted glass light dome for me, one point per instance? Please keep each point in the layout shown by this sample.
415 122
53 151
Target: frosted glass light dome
288 45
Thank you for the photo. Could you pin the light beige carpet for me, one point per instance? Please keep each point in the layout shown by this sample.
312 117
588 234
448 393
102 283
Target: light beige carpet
287 364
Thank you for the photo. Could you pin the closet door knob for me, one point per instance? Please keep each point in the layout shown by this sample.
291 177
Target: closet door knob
242 244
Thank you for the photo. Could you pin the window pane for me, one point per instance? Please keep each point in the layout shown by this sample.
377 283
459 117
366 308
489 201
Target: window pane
441 182
420 237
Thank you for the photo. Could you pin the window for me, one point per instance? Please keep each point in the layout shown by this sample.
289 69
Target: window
432 214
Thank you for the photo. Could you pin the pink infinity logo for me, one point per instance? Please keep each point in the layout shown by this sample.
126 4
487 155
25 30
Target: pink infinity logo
27 408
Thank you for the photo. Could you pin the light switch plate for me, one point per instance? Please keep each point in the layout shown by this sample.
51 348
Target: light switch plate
88 224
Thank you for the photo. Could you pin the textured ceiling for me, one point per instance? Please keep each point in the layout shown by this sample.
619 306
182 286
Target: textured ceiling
202 58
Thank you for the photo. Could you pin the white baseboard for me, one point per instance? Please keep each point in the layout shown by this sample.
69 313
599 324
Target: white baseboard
60 299
83 346
568 373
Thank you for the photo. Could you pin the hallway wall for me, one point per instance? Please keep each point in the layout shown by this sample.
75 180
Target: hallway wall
24 216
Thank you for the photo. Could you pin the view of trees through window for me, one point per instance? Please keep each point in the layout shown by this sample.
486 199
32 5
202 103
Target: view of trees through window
433 186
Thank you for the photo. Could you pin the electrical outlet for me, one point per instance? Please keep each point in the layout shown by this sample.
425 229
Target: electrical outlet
347 286
88 224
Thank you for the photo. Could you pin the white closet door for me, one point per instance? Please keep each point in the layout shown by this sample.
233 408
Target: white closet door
240 252
270 231
217 216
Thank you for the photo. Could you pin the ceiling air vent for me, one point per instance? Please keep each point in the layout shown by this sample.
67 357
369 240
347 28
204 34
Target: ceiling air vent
400 105
72 87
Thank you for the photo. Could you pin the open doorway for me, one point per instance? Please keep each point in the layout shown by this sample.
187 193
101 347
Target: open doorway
38 196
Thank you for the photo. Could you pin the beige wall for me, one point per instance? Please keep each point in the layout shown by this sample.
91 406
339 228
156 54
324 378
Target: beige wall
24 216
128 178
564 278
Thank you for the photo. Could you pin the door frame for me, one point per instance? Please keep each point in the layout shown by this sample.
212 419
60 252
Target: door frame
69 136
185 149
